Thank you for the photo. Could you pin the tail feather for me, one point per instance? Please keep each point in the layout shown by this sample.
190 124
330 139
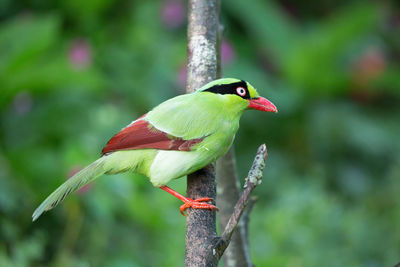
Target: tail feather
80 179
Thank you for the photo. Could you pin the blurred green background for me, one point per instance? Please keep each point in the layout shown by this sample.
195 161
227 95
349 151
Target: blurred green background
73 73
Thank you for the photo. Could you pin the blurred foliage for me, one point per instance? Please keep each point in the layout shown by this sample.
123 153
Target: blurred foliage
73 73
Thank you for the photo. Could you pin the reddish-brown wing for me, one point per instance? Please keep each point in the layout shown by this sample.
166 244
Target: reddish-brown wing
141 134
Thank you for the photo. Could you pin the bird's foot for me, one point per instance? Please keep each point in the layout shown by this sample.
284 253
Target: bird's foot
197 204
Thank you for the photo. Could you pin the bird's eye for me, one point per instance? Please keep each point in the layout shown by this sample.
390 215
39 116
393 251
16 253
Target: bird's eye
241 91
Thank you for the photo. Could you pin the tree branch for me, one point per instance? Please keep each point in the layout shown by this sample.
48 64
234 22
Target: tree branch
253 179
202 68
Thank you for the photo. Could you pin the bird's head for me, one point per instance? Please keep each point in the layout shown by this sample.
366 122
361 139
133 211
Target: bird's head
240 92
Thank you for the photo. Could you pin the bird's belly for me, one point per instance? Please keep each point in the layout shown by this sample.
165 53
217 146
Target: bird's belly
169 164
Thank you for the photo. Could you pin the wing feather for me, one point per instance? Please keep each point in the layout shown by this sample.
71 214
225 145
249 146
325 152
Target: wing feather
141 134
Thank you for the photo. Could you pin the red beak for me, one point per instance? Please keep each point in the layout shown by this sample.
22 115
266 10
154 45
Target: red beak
262 104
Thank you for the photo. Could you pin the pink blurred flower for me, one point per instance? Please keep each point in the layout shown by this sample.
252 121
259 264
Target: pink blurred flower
182 76
173 13
227 52
369 65
23 103
72 172
80 54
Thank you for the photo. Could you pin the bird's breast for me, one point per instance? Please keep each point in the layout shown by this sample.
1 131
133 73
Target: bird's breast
218 142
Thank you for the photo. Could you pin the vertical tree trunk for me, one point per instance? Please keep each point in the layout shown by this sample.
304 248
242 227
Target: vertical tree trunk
202 68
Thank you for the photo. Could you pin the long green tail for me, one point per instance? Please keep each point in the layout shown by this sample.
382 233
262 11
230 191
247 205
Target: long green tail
83 177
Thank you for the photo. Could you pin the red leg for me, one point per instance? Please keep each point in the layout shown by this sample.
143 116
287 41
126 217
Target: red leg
190 203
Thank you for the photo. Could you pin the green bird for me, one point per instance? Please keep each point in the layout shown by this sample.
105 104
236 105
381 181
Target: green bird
176 138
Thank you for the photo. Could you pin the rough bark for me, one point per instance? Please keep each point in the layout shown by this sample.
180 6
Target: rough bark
202 68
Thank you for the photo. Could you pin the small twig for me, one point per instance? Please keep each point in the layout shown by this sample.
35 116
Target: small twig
254 178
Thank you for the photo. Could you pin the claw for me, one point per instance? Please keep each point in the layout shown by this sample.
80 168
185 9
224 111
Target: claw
197 204
189 202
